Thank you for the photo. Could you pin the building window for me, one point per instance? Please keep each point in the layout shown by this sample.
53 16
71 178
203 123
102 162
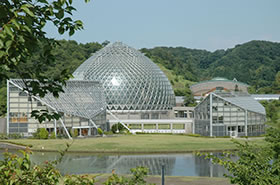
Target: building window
149 126
135 126
185 114
241 128
191 114
155 115
221 119
178 126
181 114
215 119
145 116
163 126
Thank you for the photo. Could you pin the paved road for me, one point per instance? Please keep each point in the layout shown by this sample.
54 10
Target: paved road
10 146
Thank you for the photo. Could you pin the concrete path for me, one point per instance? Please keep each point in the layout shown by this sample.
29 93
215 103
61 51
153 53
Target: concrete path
11 146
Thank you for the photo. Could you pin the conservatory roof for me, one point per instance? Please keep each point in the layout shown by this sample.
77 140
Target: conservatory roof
242 100
80 98
218 80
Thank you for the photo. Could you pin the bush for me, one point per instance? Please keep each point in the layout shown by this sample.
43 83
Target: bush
118 127
108 133
255 164
194 135
223 137
138 175
15 136
100 131
59 135
78 179
3 136
53 135
76 132
16 169
41 133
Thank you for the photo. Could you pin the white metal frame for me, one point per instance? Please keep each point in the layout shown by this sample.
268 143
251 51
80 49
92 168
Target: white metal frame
38 99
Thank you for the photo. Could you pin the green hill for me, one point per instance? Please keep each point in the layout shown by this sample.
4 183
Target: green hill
255 63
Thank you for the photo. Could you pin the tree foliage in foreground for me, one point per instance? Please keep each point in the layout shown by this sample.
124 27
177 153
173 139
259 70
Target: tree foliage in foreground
21 36
17 170
256 165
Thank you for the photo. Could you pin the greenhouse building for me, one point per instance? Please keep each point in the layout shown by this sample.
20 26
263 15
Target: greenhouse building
232 114
138 94
117 84
82 106
203 88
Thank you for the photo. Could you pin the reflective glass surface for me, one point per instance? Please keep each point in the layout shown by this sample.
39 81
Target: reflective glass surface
130 80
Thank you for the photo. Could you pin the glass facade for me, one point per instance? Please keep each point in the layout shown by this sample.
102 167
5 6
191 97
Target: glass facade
21 105
130 80
224 116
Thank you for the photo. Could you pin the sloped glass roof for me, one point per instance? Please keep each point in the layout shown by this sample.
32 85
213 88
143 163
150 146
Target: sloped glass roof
243 100
219 79
80 98
130 80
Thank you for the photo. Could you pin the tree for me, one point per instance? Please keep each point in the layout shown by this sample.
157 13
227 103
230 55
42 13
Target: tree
256 165
189 100
21 35
276 84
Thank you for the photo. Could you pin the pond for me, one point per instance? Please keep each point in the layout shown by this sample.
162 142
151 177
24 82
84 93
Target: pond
187 164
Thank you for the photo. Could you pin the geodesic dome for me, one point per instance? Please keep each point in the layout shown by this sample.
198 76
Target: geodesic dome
130 80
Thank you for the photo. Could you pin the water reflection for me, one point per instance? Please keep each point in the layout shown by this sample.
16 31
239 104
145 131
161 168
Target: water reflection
175 164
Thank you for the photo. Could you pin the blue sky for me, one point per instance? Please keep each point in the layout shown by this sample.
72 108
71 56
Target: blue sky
200 24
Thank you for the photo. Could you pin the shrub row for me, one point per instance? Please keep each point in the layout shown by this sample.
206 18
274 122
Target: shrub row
10 136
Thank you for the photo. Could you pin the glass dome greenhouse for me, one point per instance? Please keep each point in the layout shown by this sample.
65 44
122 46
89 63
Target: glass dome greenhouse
131 81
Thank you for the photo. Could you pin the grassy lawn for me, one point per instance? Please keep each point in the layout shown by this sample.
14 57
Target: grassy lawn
138 143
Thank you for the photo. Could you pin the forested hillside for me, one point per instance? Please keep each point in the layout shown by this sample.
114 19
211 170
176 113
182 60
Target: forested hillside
255 63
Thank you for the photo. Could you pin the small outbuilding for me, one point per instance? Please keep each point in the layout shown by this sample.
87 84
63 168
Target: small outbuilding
205 87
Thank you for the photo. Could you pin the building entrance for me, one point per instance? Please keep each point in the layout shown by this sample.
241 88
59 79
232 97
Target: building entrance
232 131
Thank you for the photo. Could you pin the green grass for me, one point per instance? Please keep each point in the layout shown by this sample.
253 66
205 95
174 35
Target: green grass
138 143
180 83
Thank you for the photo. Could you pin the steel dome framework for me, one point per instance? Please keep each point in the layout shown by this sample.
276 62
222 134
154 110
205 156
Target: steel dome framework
130 80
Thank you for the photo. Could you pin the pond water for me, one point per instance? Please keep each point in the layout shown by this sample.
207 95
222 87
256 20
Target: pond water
175 164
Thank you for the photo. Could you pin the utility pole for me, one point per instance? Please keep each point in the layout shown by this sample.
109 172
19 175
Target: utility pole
162 174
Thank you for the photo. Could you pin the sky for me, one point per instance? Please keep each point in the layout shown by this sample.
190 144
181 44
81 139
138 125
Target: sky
197 24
